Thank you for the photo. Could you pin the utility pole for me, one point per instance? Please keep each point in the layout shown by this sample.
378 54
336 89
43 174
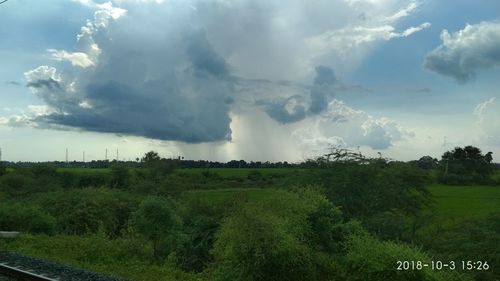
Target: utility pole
117 155
83 156
106 155
0 155
66 155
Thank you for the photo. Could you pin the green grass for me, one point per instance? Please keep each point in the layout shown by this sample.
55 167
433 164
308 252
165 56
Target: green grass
457 203
496 175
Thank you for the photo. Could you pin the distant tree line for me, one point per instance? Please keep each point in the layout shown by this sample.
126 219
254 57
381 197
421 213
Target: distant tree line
180 163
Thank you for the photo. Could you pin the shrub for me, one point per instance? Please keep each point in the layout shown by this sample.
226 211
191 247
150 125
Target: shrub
369 259
157 221
3 169
25 219
257 245
202 220
17 185
254 175
120 176
289 236
85 211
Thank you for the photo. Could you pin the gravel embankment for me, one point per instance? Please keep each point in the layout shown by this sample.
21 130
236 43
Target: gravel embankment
50 269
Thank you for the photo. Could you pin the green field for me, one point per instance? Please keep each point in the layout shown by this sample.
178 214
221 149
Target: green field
450 203
456 203
241 172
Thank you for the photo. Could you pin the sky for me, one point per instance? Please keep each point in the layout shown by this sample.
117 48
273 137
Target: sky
256 80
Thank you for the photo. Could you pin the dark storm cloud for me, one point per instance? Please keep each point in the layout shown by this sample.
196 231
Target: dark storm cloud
322 88
172 86
293 109
205 60
285 111
467 51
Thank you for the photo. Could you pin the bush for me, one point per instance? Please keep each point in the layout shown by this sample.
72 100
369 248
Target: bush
92 179
3 169
120 176
25 219
257 245
17 185
85 211
369 259
84 217
157 221
364 190
290 236
474 240
202 220
254 175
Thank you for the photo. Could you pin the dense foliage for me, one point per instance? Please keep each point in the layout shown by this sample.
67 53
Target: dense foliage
346 217
466 166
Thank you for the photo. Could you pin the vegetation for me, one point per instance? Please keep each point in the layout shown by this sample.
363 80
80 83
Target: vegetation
466 166
341 216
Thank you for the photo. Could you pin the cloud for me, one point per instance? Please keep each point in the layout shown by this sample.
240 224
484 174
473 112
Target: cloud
343 125
176 70
76 58
373 25
465 52
294 108
285 110
322 88
168 88
354 36
14 83
488 116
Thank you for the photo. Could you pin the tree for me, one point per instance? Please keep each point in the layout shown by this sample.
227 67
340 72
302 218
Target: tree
427 162
158 166
466 166
3 169
150 157
156 221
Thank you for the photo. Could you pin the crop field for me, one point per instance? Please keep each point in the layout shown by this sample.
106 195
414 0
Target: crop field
456 203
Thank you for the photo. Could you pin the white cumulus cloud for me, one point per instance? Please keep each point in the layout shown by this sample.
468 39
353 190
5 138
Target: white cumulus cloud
465 52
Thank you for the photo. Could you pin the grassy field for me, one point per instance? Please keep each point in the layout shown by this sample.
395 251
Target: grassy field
456 203
451 203
496 175
241 172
